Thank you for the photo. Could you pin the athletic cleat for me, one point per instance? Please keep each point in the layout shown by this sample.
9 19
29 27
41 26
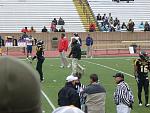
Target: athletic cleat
61 66
69 65
140 104
147 105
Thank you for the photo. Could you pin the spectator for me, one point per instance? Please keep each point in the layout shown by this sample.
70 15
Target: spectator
62 48
67 109
124 26
111 21
123 96
32 30
141 26
92 27
24 36
95 96
99 17
116 21
130 26
44 29
112 28
55 29
89 43
55 21
104 17
53 26
118 28
146 26
20 87
61 21
68 95
61 29
25 30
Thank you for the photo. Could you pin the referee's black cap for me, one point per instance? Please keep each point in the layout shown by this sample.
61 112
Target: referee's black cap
119 75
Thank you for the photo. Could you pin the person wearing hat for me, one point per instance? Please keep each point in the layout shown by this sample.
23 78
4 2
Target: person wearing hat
95 96
68 95
123 96
19 87
141 69
67 109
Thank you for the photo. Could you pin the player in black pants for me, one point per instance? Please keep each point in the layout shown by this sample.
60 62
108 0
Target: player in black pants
40 58
141 69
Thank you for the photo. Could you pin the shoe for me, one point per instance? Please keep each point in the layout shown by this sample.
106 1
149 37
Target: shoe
140 104
147 105
83 71
69 65
61 66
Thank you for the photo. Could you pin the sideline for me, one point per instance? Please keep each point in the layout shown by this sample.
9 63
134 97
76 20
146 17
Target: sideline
48 100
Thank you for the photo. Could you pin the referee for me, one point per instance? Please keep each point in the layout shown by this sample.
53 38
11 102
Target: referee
123 95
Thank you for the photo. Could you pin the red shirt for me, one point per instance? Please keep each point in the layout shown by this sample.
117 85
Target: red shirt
63 44
24 30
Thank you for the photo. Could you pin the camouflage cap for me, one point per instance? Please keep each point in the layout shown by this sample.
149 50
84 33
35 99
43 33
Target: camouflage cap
19 87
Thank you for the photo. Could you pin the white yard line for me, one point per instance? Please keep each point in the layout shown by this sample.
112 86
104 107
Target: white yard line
109 68
48 100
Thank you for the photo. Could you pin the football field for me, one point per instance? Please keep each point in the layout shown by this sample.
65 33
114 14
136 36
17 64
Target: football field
104 67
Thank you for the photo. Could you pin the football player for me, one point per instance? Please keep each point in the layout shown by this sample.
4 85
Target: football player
141 69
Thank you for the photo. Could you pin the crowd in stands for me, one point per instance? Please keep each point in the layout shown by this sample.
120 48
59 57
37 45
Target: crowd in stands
109 24
53 27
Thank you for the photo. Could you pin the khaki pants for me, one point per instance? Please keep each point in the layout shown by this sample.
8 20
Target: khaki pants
63 58
75 66
89 51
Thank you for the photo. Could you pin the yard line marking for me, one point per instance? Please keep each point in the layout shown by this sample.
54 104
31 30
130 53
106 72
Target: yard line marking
48 100
109 68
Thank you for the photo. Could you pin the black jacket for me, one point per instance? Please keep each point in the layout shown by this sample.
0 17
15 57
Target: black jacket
68 96
75 51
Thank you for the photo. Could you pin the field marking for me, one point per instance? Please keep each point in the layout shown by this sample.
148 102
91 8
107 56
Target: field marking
48 100
109 68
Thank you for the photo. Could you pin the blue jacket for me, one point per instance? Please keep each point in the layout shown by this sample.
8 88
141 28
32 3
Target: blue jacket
89 41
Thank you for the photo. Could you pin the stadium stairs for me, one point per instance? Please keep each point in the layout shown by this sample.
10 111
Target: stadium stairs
17 14
85 13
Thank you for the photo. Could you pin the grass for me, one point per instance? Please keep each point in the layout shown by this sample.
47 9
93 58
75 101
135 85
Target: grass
55 79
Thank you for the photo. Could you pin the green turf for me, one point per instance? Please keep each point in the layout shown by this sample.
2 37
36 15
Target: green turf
52 72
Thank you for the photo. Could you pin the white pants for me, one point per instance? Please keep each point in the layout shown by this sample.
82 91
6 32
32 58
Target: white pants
121 108
64 61
89 51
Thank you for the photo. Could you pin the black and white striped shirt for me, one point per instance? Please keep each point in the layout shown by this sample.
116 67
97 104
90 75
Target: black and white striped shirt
123 94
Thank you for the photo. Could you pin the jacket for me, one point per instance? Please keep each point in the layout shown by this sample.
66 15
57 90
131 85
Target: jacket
63 44
75 51
89 41
68 96
95 98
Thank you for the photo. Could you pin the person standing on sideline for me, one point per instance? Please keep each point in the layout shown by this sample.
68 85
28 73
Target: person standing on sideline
89 43
62 48
95 96
123 96
29 41
68 95
141 69
76 56
40 57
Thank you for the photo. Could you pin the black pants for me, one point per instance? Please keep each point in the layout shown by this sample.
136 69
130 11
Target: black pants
39 68
143 83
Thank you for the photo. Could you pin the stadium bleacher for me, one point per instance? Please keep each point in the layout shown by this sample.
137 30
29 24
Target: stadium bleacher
137 10
16 14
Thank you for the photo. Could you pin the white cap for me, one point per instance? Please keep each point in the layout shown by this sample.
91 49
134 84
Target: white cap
67 109
71 78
